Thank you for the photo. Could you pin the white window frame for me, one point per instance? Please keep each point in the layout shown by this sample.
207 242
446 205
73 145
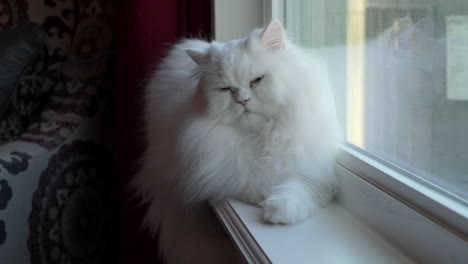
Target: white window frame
273 9
443 208
440 216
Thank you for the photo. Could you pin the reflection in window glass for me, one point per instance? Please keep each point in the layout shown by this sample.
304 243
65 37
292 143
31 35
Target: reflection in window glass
400 70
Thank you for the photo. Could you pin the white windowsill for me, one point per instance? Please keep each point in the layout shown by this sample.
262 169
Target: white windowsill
366 225
331 236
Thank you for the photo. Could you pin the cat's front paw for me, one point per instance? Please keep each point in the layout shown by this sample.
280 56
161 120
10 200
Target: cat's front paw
285 209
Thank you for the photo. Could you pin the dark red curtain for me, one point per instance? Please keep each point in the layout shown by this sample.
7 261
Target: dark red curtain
145 29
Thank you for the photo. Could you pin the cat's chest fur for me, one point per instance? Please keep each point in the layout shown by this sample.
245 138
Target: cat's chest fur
252 161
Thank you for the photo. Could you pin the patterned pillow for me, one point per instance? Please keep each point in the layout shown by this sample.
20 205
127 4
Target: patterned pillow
23 67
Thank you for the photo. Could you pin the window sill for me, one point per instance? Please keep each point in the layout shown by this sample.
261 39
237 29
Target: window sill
331 236
368 224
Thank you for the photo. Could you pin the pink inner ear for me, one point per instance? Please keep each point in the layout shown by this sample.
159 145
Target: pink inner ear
196 56
273 36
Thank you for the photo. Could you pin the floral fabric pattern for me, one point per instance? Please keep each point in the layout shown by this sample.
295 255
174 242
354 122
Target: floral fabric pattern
80 34
72 210
28 99
57 180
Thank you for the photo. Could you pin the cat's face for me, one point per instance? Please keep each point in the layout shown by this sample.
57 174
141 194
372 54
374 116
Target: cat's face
237 79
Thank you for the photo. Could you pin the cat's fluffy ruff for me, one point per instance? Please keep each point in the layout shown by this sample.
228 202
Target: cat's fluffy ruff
276 151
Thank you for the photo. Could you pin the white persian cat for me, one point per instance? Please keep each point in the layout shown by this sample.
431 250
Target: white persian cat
251 119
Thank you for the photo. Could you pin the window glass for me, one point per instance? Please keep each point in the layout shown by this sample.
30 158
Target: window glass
400 74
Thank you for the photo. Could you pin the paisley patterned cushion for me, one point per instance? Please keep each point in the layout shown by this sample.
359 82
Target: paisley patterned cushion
23 64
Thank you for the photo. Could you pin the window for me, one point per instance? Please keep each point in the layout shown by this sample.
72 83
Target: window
408 103
401 74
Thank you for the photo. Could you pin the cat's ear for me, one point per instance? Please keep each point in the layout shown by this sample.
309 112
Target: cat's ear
197 56
273 36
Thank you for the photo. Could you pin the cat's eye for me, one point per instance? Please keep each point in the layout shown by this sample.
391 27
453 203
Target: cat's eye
225 89
256 81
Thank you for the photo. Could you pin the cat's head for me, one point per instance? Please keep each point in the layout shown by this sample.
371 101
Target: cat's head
239 80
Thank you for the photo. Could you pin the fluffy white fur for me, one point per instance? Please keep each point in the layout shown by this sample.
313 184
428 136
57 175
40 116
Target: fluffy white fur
268 138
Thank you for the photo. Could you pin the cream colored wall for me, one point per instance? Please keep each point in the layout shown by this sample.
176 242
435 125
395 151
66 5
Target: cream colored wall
234 19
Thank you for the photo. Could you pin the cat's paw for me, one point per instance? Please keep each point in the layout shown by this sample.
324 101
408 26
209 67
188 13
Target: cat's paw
285 209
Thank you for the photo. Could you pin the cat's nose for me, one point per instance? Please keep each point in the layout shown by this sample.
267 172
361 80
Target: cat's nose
244 101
